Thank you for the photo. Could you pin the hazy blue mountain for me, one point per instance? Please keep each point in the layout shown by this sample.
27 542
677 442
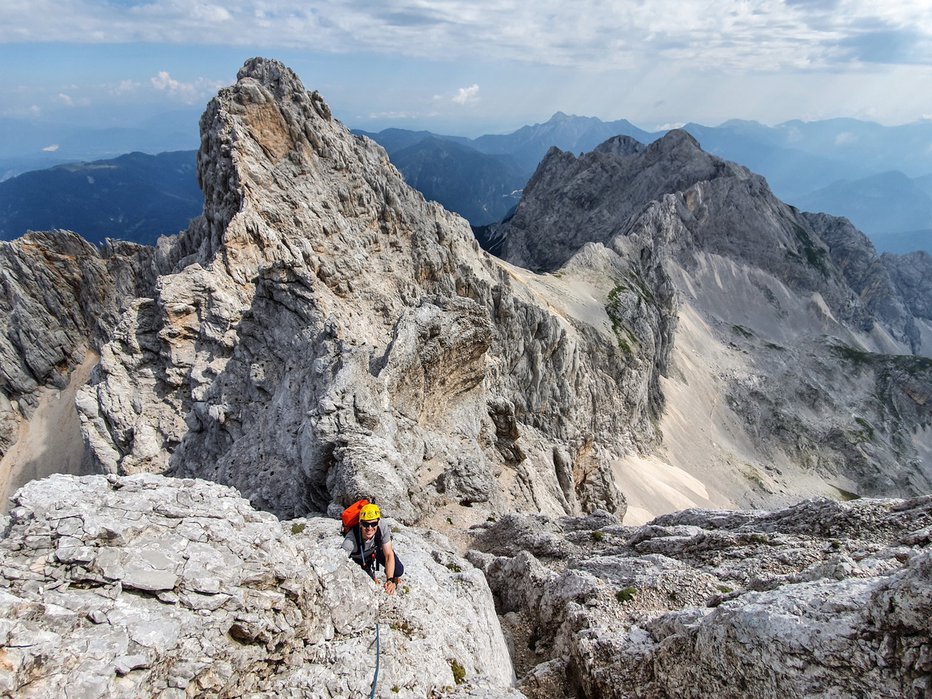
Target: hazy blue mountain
799 157
870 146
567 132
924 183
479 187
790 172
478 178
903 242
30 145
394 140
887 202
134 197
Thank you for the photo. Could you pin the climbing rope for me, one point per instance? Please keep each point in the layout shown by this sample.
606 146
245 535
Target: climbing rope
375 677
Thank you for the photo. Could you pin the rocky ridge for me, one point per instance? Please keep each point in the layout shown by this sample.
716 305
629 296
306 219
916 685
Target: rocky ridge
322 332
145 585
807 351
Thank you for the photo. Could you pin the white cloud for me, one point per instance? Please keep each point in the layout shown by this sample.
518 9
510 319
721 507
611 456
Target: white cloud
467 95
752 35
188 92
164 81
125 87
844 138
211 13
50 149
65 99
761 59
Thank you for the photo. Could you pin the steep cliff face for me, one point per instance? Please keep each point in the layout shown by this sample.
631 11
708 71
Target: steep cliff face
60 298
322 333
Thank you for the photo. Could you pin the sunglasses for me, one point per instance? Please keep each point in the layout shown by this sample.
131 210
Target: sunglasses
369 525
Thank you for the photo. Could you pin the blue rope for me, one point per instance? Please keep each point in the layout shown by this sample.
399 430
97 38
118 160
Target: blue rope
375 677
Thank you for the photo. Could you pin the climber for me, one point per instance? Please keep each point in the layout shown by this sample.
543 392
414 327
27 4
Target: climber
373 537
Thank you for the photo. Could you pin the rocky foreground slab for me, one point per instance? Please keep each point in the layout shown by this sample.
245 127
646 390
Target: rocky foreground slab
151 586
821 599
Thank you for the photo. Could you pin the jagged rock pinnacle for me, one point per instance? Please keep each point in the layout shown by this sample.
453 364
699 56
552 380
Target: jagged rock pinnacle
326 333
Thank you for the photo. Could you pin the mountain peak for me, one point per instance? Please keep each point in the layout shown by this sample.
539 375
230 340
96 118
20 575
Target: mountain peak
620 145
276 76
677 139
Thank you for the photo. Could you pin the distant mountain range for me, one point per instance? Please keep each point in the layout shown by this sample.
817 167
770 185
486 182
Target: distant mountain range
27 145
879 177
895 209
134 197
482 188
826 166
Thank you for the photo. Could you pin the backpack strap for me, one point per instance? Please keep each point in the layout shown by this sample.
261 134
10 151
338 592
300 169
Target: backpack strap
367 565
378 544
357 535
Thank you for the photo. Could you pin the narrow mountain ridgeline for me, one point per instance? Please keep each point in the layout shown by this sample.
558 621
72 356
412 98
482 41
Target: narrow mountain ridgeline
554 435
325 333
148 586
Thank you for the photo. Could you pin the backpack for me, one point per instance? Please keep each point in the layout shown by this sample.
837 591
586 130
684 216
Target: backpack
350 515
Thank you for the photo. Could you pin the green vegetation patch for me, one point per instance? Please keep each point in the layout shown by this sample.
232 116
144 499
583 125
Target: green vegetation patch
298 527
846 496
626 594
459 672
908 363
867 430
815 256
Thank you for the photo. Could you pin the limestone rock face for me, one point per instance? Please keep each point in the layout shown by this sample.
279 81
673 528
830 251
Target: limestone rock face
910 274
819 599
888 286
789 341
59 298
148 586
322 333
571 201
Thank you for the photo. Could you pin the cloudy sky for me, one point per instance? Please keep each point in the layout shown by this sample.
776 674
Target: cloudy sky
479 67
